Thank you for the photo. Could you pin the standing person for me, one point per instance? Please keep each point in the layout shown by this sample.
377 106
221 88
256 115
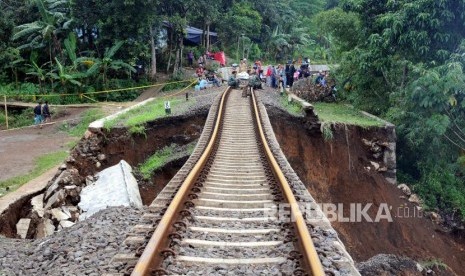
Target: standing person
243 65
274 74
268 76
38 114
282 76
290 78
190 58
287 72
46 113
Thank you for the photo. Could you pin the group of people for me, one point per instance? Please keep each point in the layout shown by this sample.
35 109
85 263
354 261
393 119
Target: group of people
285 75
42 114
206 77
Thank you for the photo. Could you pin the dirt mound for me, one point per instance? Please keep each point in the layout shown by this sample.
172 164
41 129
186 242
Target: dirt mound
311 92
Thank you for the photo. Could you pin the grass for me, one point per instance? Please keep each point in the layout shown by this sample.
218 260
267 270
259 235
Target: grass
156 161
87 117
42 164
17 119
135 119
434 263
334 113
291 107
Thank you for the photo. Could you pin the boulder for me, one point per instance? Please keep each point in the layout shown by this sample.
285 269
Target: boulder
405 189
115 186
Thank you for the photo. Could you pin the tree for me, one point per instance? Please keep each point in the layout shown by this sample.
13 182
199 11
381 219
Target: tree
54 21
105 64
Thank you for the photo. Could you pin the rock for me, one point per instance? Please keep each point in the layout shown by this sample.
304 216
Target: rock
70 177
435 217
59 215
116 186
37 203
48 227
405 189
101 157
382 169
22 227
89 180
52 188
66 223
56 200
98 165
414 199
72 190
63 167
88 134
375 165
74 212
70 160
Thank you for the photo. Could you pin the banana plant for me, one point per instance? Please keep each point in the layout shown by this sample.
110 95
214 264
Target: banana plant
103 65
65 76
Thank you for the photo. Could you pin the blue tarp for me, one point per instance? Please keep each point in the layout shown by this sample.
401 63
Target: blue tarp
194 35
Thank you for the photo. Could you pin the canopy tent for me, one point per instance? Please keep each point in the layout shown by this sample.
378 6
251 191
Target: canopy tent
194 35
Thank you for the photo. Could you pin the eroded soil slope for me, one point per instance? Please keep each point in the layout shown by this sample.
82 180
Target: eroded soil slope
336 171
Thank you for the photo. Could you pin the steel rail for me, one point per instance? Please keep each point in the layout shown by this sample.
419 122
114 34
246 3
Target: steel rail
158 240
310 256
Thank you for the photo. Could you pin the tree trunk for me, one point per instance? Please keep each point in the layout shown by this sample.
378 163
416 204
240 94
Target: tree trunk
153 69
170 49
208 37
204 38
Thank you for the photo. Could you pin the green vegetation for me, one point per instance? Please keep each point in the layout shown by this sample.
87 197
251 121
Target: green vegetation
87 117
434 264
291 106
135 118
327 131
156 161
17 119
42 164
404 61
335 113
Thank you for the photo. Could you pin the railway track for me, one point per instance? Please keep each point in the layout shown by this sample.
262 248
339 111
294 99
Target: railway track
217 222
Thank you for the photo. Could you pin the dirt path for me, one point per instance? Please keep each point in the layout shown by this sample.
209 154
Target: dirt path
19 148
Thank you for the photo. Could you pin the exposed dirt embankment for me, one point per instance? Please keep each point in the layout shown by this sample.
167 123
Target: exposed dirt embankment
340 171
97 151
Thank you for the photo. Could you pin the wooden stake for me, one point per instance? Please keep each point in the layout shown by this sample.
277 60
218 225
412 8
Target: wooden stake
6 111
